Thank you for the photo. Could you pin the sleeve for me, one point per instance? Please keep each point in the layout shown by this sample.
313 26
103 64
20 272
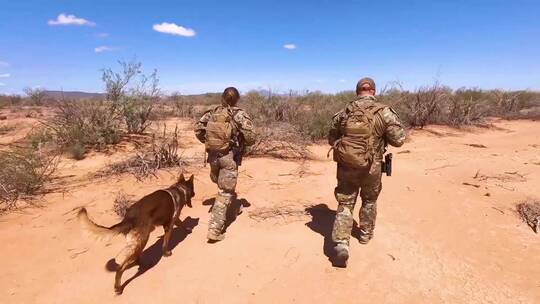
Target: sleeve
334 133
200 127
394 133
246 127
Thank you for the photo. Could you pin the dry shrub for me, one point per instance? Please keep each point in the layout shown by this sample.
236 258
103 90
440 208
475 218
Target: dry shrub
122 202
529 212
280 141
37 137
5 129
424 105
87 123
182 107
25 172
162 153
309 116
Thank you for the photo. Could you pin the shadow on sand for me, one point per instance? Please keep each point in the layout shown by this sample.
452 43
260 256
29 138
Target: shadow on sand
322 221
152 255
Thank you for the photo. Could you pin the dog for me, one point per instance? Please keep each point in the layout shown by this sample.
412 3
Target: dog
160 208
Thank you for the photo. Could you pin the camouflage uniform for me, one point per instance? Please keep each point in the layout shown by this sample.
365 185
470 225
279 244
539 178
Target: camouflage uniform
224 169
387 128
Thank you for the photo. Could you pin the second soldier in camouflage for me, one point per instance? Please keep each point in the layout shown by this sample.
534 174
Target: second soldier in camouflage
386 129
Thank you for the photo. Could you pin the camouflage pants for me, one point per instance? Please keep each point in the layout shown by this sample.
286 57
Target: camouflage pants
223 172
350 180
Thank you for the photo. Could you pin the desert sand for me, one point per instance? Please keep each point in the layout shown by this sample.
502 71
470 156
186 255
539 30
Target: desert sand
437 240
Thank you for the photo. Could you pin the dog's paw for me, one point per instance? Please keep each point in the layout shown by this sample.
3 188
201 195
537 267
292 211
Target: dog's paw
167 253
118 291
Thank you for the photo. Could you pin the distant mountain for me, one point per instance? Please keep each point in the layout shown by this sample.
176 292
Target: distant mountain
74 95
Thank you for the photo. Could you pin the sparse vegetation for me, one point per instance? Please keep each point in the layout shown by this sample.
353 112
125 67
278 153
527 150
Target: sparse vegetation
121 203
85 123
5 129
132 98
162 153
24 172
36 95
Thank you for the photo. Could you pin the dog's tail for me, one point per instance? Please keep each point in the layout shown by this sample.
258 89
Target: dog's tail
98 231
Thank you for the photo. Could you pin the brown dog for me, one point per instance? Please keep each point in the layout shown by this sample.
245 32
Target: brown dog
160 208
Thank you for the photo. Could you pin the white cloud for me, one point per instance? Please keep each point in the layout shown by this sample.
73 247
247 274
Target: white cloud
2 84
290 46
64 19
104 48
342 80
5 75
4 64
174 29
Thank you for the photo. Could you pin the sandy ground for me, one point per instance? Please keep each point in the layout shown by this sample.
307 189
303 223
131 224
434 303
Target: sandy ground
437 240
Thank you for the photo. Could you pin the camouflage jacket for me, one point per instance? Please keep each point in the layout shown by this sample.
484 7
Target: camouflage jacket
387 127
243 123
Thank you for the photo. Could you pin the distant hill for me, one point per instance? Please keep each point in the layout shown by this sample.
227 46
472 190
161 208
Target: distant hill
74 95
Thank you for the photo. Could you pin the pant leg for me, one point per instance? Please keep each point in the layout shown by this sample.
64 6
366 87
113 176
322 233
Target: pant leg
218 216
226 178
371 187
228 173
213 160
346 193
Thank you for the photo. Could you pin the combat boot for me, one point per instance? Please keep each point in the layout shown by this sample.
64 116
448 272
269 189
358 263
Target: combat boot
364 239
342 255
218 217
365 236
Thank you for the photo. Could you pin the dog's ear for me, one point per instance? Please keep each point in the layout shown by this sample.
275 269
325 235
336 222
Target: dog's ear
181 178
191 178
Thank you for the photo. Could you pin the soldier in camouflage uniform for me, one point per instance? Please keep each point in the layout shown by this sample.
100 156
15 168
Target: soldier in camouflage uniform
387 129
224 164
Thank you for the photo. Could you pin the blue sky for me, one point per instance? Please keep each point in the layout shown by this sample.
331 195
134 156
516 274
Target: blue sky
201 45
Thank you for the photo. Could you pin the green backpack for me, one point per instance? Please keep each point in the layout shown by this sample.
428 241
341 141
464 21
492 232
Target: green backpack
220 130
356 147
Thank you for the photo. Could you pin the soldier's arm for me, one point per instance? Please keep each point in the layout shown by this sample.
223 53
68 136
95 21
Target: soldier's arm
200 127
394 133
334 133
246 127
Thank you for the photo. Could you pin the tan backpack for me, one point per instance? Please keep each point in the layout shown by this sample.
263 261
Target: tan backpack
356 147
220 130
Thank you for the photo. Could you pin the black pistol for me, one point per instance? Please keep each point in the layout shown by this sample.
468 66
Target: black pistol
387 164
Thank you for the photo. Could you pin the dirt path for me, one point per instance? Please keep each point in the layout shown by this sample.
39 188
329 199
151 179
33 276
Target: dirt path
437 240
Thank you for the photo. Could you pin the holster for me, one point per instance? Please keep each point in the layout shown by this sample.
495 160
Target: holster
387 164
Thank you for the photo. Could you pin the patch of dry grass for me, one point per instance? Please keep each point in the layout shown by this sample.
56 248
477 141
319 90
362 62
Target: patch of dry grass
529 212
25 172
161 153
122 202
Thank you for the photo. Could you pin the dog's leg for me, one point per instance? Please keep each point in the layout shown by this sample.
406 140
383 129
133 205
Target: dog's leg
136 241
166 238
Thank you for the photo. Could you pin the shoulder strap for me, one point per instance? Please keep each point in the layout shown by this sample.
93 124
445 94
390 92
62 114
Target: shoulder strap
378 107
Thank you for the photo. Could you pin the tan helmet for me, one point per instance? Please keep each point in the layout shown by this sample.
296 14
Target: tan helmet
363 83
230 96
